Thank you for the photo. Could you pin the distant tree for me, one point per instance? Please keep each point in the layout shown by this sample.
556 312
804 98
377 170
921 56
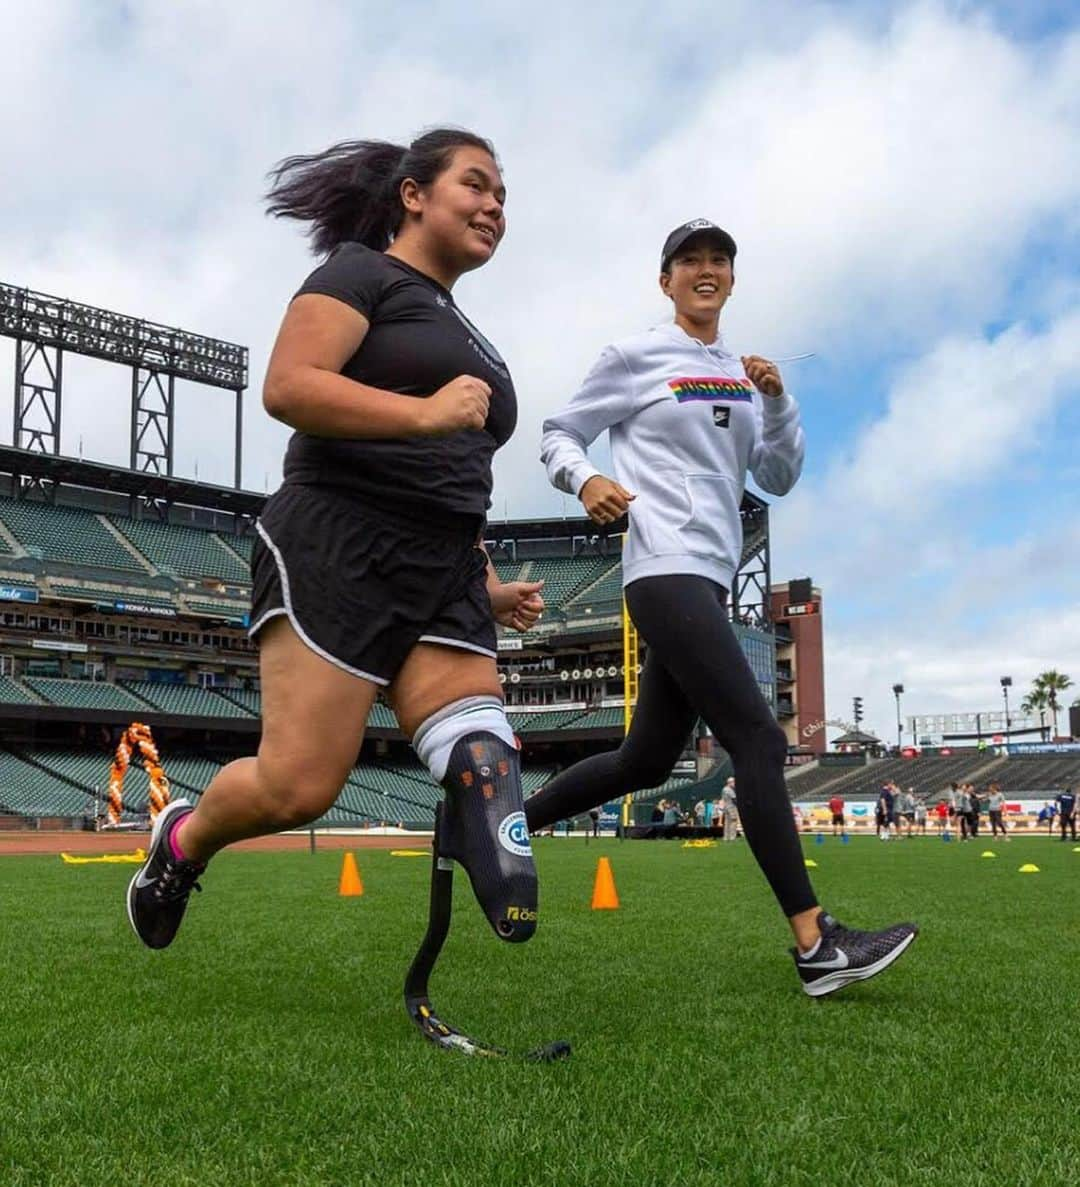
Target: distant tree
1037 701
1052 683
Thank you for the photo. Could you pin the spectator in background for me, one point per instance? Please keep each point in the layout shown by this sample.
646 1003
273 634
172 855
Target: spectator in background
995 803
731 815
1066 803
885 808
920 817
952 799
594 816
707 814
836 807
1046 814
963 810
905 815
699 813
975 807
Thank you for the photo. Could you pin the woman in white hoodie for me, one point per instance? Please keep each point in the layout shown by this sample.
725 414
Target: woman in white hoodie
688 420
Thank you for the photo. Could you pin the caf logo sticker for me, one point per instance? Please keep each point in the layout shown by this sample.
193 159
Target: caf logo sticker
514 835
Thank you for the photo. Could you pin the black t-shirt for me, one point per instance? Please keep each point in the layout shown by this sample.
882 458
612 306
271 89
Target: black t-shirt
417 341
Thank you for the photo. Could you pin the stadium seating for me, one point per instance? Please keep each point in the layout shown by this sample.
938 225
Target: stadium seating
550 719
40 783
930 775
382 717
608 718
94 591
83 694
191 552
564 577
1038 773
246 698
12 692
607 588
240 544
510 570
66 534
184 699
30 791
217 607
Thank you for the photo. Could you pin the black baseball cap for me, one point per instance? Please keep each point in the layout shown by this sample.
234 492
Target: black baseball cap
680 235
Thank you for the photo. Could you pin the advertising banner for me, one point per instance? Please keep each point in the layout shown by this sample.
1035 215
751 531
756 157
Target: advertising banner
17 593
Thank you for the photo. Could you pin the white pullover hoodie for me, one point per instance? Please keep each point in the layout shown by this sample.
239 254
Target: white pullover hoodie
686 426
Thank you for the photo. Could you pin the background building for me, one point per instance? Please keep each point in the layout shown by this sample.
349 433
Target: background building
796 611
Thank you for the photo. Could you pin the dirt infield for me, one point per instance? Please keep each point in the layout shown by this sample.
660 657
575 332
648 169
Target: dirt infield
21 843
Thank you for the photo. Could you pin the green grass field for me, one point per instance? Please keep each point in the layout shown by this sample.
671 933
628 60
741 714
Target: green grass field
269 1045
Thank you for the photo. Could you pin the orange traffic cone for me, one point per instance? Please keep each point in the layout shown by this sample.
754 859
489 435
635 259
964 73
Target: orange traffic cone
604 896
350 884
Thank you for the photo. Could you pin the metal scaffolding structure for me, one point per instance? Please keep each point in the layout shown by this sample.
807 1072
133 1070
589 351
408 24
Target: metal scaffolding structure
45 328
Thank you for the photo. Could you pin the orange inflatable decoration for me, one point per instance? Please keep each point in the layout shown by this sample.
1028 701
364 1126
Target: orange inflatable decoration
137 737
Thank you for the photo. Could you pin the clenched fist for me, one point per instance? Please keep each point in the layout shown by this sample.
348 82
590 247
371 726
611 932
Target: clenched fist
517 604
765 376
604 499
460 404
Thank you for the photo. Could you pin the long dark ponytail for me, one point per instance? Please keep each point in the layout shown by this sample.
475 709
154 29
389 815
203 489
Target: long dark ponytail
352 191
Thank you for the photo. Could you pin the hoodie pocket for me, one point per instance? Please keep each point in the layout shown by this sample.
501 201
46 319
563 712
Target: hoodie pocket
713 529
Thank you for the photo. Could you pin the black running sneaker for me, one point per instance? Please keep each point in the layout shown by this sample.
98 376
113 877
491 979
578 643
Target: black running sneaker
157 896
845 955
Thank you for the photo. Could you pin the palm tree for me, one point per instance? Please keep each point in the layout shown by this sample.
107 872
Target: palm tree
1037 701
1052 683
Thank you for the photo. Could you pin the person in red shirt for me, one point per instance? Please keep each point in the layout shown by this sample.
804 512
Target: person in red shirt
836 807
942 811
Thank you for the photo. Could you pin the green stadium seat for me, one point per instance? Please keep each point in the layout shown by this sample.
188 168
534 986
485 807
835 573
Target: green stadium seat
191 552
66 534
14 693
564 577
184 699
83 694
29 791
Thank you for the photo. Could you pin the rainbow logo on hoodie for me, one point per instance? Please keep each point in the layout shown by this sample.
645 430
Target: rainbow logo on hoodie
711 388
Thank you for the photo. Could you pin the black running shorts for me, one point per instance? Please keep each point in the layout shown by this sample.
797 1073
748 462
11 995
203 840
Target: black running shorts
362 586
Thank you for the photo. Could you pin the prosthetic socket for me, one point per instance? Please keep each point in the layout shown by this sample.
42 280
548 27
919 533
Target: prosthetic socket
483 829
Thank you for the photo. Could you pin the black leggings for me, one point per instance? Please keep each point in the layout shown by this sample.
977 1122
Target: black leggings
695 668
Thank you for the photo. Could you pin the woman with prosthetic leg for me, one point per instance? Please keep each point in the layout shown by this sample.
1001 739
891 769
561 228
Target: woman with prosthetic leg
368 574
688 420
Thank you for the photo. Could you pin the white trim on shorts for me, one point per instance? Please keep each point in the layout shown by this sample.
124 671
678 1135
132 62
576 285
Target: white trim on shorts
460 643
288 610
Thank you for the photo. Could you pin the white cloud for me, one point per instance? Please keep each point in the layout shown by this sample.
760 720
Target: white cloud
893 174
886 531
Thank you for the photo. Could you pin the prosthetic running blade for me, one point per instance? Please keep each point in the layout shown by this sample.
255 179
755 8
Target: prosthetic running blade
417 1002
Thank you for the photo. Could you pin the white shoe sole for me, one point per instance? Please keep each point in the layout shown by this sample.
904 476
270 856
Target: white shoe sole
834 981
155 833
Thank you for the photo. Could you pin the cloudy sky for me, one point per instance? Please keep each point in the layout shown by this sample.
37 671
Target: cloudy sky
903 181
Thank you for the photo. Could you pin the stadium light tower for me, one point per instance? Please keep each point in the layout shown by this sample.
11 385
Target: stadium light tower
1006 684
897 692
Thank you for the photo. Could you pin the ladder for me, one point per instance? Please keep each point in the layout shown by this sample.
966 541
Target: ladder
630 691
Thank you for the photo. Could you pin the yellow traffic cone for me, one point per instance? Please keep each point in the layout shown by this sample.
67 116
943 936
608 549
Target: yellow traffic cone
1029 869
604 896
810 863
988 853
350 884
